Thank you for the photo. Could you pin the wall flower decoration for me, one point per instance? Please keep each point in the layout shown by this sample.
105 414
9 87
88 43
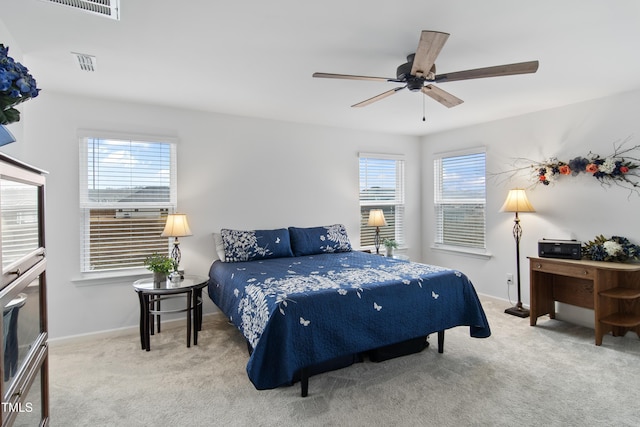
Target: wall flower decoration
16 86
614 249
621 168
608 168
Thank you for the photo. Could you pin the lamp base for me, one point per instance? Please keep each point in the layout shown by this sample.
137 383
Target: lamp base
517 311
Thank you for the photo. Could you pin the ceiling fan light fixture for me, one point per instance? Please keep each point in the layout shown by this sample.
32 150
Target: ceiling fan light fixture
413 73
415 84
106 8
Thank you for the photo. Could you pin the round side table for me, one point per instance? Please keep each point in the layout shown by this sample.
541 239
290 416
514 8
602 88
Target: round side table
151 294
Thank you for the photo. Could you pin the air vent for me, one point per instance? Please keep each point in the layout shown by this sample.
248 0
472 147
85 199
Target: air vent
106 8
86 62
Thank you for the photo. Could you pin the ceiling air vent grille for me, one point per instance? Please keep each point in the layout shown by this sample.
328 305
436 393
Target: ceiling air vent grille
107 8
86 62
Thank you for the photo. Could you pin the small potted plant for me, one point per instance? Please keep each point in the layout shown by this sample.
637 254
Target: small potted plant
390 245
160 265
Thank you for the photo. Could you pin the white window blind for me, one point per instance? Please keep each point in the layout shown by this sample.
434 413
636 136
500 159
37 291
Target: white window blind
382 187
460 199
127 188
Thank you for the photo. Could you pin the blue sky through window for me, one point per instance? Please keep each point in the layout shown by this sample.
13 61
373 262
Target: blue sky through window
120 164
463 177
377 179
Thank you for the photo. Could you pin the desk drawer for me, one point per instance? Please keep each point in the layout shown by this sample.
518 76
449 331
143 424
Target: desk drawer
563 269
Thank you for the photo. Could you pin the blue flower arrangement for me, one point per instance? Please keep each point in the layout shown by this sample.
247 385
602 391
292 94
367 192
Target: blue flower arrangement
615 249
16 86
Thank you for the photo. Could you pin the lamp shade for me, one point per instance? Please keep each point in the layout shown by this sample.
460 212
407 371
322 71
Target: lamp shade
176 226
376 218
517 202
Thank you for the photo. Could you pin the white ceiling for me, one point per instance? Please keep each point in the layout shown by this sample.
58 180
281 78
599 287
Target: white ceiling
255 58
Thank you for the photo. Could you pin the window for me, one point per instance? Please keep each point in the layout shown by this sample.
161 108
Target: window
382 187
127 188
460 199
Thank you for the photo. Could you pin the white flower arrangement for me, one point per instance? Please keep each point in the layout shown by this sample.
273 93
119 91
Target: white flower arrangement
615 249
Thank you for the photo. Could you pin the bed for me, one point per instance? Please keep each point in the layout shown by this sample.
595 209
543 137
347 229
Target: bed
301 297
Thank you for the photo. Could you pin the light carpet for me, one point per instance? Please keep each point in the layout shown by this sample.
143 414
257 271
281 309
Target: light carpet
551 375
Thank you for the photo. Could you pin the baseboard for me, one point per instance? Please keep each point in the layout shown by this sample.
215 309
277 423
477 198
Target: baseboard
498 300
113 333
135 330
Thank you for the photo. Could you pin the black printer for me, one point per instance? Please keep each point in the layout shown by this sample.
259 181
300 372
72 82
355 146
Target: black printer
567 249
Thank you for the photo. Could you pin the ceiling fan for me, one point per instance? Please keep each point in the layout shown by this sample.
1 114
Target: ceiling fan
420 71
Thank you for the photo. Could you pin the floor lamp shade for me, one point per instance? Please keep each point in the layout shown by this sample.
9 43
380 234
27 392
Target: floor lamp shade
517 202
376 219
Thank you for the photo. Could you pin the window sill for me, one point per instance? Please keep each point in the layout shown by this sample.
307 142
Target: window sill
455 250
400 250
104 278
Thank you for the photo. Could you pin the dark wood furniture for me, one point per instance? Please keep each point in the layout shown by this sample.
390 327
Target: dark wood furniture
151 294
23 295
611 290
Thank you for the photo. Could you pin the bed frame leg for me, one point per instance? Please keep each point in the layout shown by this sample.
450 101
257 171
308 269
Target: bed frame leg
441 341
304 382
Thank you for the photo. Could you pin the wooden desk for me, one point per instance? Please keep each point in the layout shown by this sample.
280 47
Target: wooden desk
610 289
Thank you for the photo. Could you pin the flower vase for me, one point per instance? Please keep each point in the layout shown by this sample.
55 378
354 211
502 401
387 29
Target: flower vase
159 278
5 136
390 251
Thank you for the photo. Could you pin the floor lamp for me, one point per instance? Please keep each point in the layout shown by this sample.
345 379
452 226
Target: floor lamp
376 219
517 202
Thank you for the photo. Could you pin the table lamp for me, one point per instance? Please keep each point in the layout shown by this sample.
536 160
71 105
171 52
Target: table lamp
517 202
176 226
376 219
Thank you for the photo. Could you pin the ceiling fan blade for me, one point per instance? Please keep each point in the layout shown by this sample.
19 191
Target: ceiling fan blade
430 45
378 97
498 70
442 96
352 77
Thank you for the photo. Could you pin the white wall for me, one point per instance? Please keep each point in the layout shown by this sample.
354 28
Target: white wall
232 172
15 128
575 207
243 172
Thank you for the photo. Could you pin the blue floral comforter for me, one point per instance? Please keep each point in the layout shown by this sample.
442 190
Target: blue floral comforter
300 311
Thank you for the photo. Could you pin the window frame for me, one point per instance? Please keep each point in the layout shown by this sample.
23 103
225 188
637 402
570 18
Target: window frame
86 206
398 203
439 201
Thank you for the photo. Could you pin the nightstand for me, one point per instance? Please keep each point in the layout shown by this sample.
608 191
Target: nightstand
151 294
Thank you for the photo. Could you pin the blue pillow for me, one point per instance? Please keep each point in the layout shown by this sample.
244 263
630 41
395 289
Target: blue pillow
319 240
255 244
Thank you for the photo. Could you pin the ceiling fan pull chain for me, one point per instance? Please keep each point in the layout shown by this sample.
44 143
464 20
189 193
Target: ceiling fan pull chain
424 119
